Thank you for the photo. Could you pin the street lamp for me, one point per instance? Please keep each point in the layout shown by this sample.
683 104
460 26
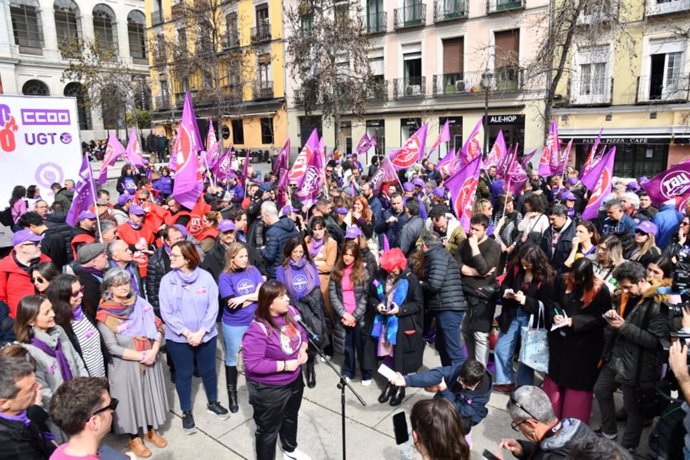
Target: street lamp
487 78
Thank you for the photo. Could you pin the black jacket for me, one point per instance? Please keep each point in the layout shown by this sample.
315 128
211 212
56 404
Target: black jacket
92 290
559 444
275 238
391 230
557 255
311 308
19 442
536 292
158 267
214 262
443 285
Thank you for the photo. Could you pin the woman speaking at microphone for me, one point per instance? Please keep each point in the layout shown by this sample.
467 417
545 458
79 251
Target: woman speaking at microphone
275 347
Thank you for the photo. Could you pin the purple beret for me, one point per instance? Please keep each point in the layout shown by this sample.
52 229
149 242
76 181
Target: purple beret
418 182
572 181
408 187
342 211
353 232
439 192
568 196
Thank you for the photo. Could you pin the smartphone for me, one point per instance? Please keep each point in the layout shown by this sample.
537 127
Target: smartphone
488 455
400 428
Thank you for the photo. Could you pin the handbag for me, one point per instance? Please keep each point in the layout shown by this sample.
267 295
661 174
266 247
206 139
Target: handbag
534 350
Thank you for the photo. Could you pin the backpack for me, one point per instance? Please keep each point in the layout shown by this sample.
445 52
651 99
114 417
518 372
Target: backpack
666 440
6 217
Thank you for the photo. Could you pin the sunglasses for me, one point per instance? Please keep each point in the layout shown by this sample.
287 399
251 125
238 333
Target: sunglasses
229 232
112 406
78 293
640 232
683 224
516 425
38 279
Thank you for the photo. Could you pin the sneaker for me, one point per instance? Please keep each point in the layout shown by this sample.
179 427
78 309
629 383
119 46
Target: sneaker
188 425
295 455
366 383
600 432
219 411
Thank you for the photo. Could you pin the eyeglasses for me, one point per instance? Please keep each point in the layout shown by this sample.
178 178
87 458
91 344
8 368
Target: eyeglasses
79 292
516 426
683 224
112 406
38 279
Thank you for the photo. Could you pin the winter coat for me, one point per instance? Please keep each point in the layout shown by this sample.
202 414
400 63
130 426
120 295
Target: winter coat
20 442
636 345
557 255
53 245
443 285
312 310
214 262
335 294
15 281
481 309
409 347
410 234
558 445
158 267
92 290
471 404
78 238
64 197
667 221
391 230
575 352
537 291
453 237
275 238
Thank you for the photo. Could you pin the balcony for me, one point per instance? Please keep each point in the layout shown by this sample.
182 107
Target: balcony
448 84
261 33
658 8
231 41
163 102
377 91
232 92
377 22
508 78
498 6
157 18
655 88
413 16
409 87
449 10
591 92
599 12
263 89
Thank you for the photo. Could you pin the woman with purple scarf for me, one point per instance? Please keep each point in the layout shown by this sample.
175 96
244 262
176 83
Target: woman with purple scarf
133 334
239 287
301 279
56 359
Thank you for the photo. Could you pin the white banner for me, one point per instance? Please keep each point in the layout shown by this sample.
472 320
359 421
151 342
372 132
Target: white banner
39 143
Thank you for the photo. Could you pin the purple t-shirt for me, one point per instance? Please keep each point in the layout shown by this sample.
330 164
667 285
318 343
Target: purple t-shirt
264 346
238 284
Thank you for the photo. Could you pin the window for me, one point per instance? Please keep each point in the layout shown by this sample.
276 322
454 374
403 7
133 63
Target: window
136 31
26 24
632 160
666 80
263 27
453 80
159 54
35 88
590 84
342 13
111 107
232 36
75 89
376 16
67 24
507 59
377 128
237 132
104 28
377 86
413 73
142 97
267 131
182 39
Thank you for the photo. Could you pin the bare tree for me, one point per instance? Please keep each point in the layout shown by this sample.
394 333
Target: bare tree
327 56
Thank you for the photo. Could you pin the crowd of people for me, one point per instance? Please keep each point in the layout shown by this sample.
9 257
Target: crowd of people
94 311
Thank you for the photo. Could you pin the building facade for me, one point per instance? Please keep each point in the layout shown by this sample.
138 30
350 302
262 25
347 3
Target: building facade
229 56
633 81
438 61
33 31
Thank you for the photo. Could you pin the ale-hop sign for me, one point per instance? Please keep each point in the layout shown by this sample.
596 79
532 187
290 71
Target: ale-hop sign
39 142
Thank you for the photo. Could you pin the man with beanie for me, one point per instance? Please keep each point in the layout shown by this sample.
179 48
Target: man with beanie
17 266
138 236
121 209
91 264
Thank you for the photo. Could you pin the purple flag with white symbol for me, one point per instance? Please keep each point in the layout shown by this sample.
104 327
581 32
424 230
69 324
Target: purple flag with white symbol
601 176
672 183
551 150
188 185
134 154
463 190
83 193
113 152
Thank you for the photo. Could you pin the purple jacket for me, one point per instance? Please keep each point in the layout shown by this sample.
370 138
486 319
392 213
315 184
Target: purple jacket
264 346
188 303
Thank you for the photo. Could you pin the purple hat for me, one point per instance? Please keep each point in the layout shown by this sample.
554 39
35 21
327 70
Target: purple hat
572 181
137 210
642 179
226 225
182 230
439 192
232 175
633 186
25 236
287 210
408 187
418 182
568 196
124 198
86 215
342 211
353 232
647 227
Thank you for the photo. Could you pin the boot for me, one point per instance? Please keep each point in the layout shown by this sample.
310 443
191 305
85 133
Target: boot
398 396
231 380
386 393
311 373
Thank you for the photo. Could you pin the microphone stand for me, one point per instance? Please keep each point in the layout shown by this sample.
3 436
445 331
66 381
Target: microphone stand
342 384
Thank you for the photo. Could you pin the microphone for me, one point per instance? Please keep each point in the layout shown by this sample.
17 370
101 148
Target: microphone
310 333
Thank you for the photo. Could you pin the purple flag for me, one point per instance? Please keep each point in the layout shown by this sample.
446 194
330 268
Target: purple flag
134 154
385 173
505 163
113 151
497 152
212 147
83 193
528 158
312 182
672 183
550 153
282 160
463 190
223 166
448 165
516 177
591 157
472 148
245 168
363 145
188 185
412 151
281 195
443 136
603 174
299 168
562 161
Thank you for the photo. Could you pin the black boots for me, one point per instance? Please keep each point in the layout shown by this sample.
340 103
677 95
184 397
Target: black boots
387 393
231 380
397 396
310 373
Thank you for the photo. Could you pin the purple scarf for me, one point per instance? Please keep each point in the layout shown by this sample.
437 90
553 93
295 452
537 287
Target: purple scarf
315 247
77 313
301 277
20 417
57 354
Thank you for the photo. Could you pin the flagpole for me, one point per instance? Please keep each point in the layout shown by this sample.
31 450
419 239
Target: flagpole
505 201
95 207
